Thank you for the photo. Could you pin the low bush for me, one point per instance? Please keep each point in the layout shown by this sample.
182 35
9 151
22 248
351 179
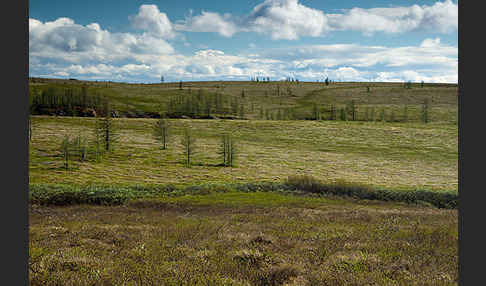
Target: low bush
52 194
362 191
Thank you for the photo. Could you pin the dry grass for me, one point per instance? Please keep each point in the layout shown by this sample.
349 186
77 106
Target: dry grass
393 156
325 243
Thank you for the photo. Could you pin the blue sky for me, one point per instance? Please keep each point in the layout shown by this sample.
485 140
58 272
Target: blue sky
346 40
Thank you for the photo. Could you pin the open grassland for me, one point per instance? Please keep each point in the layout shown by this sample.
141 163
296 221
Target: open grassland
243 239
140 100
392 156
139 216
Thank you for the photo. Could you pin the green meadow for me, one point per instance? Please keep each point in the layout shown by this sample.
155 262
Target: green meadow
309 200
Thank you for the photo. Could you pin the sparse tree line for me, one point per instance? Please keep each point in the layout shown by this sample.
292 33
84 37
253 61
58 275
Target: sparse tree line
105 135
205 105
349 112
260 79
64 101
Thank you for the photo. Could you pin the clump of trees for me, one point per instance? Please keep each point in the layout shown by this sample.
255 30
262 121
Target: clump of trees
63 101
203 105
72 148
353 112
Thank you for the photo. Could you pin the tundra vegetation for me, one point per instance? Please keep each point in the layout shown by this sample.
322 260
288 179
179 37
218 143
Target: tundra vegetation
333 184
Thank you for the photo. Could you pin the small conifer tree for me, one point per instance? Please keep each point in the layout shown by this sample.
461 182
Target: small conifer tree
105 128
228 150
161 128
188 141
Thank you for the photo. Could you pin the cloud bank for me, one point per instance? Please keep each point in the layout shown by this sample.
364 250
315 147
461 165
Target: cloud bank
290 20
62 48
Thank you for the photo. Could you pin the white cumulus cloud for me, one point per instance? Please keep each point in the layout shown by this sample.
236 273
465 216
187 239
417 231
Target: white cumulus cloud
286 19
290 20
441 17
208 22
65 40
151 20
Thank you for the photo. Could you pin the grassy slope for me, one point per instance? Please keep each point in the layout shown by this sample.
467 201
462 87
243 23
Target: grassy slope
393 96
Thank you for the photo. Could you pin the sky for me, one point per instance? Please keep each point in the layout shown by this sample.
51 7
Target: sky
310 40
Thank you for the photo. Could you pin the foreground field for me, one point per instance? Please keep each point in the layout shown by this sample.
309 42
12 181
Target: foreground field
140 216
388 155
243 239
